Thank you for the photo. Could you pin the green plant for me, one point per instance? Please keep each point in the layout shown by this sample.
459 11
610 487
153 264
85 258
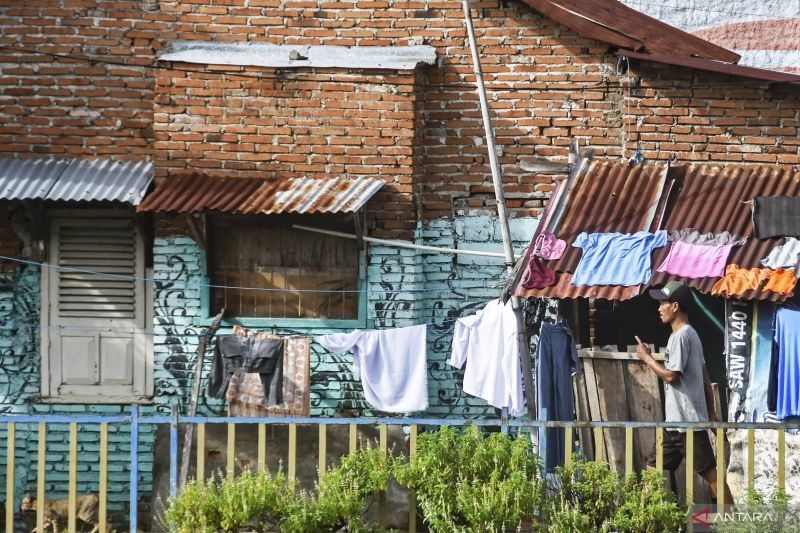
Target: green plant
196 509
588 488
267 502
591 497
342 495
646 507
249 500
760 513
465 482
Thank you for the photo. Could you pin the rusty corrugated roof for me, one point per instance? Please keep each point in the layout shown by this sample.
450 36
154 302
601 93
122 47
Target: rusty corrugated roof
605 196
713 198
609 196
200 192
708 198
563 288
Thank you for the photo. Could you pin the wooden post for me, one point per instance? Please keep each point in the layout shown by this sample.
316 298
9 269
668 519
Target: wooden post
205 337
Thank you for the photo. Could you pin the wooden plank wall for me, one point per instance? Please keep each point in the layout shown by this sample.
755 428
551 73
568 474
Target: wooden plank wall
617 386
618 390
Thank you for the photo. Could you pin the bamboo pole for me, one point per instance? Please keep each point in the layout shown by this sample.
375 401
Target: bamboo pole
205 338
497 182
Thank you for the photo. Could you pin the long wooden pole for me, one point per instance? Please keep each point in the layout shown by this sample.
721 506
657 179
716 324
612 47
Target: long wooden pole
497 181
205 338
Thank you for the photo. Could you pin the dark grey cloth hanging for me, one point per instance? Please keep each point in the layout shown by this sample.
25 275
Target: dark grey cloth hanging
251 356
776 216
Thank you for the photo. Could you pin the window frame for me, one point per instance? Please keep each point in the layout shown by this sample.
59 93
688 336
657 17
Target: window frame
286 323
45 303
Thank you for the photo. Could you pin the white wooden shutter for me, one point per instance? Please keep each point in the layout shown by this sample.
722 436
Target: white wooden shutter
110 249
96 322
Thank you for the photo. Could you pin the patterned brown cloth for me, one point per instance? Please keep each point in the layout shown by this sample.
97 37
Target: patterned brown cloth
245 393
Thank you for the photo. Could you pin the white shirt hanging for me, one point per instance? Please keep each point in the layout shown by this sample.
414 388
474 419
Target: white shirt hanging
487 342
392 365
784 256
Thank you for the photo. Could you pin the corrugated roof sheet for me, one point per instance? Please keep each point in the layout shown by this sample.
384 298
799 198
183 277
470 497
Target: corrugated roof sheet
597 203
74 180
29 179
712 198
708 198
200 192
299 56
87 180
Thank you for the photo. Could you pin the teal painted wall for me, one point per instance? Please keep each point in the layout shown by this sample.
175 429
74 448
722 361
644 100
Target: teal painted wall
19 393
440 287
406 287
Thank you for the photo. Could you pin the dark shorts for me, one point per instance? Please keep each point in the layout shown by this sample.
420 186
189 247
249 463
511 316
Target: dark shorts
675 451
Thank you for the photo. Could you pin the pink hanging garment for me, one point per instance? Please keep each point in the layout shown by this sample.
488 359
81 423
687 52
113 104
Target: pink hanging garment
538 275
548 247
696 260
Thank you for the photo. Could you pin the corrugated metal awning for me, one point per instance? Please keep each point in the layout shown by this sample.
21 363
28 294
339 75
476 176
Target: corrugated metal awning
617 197
74 180
603 196
199 192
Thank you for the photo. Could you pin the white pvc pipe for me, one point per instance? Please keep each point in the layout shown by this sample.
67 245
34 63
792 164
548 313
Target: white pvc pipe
497 181
494 165
401 244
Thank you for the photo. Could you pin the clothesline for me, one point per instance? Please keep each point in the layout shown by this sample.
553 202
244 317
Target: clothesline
17 325
234 287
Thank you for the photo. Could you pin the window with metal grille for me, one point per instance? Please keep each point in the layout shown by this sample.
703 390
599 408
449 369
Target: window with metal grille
261 267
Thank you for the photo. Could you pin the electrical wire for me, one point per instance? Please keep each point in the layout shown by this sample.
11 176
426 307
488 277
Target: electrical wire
16 326
229 287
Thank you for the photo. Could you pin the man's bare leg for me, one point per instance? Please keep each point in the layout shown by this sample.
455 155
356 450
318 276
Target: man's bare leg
711 479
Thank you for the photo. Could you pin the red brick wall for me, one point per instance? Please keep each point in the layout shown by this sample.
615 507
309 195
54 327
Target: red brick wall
73 108
546 86
318 123
691 116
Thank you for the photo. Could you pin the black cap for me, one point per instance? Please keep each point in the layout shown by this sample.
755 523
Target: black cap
674 291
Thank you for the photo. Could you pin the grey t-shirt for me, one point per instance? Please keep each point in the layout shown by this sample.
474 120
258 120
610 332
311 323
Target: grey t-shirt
685 401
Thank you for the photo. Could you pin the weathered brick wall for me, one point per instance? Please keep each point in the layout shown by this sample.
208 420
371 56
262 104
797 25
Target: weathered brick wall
547 85
686 116
73 107
323 123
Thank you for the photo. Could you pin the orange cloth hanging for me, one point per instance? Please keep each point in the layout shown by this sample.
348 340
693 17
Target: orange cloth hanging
737 281
782 281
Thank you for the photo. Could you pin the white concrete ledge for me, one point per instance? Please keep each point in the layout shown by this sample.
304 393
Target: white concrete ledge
298 56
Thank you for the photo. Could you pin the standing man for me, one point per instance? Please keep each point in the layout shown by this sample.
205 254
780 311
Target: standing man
688 395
